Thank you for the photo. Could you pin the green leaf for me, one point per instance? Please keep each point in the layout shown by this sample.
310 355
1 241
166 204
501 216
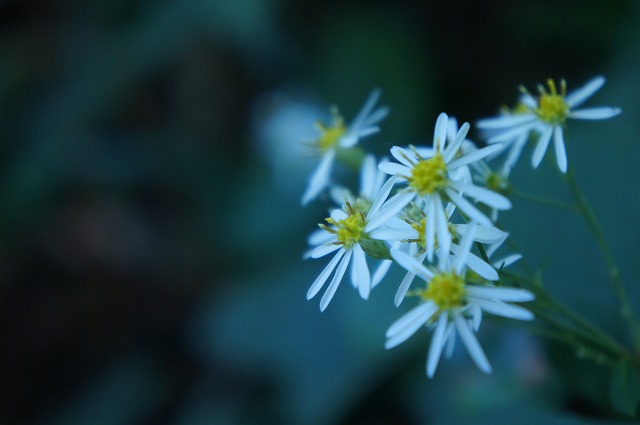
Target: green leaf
624 391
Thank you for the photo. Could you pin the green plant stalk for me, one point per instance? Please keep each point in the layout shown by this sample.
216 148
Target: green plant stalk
580 324
626 311
543 201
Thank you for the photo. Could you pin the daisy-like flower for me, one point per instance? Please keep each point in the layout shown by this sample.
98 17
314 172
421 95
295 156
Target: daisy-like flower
338 136
451 305
346 233
439 175
546 114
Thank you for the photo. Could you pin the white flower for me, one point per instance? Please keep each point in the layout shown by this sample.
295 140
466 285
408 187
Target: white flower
338 136
440 175
348 229
546 114
450 306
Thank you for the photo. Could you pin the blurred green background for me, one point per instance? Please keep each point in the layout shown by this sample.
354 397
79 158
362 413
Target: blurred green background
151 232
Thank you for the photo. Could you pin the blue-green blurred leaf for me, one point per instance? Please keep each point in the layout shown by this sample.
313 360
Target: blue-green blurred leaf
624 391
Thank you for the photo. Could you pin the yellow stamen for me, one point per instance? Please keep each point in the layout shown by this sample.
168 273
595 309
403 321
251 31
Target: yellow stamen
330 134
429 175
350 229
552 107
446 290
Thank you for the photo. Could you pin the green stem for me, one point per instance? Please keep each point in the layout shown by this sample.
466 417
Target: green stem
626 311
542 200
578 324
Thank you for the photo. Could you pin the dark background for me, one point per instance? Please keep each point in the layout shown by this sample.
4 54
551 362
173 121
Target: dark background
150 227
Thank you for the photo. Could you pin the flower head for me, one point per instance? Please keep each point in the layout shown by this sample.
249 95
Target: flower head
545 114
440 174
348 231
451 304
337 136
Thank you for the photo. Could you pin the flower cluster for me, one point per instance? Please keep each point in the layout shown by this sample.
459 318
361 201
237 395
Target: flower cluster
432 211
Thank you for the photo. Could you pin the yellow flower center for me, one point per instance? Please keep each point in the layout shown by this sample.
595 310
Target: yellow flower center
552 107
429 175
350 229
330 134
446 290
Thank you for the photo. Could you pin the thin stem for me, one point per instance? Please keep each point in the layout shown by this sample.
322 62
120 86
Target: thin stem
544 201
614 272
579 324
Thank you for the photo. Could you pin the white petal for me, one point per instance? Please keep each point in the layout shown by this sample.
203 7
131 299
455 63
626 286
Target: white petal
430 228
442 225
404 156
471 343
395 169
354 136
381 272
578 96
450 340
529 101
484 234
322 250
366 109
507 261
514 153
333 286
599 113
476 317
368 176
504 121
464 249
411 264
502 294
468 209
348 140
435 348
320 237
475 156
324 274
515 132
362 275
452 149
452 128
478 265
389 210
408 324
541 147
481 194
561 154
502 309
377 115
319 178
338 214
440 133
423 152
391 234
403 288
381 196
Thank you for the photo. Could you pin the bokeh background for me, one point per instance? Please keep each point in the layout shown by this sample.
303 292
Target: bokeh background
151 232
